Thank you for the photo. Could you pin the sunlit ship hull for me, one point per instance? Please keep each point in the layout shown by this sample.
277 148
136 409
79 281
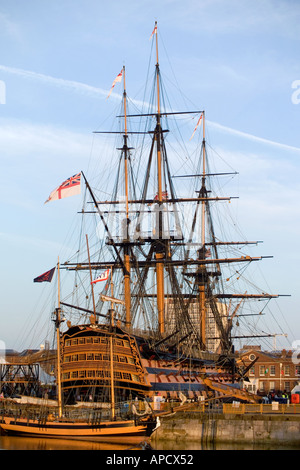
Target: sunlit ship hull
61 429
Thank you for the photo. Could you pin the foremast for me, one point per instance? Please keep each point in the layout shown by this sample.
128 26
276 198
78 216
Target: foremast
126 242
125 150
202 269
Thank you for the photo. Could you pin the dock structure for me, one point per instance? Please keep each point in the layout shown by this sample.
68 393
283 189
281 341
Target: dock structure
272 424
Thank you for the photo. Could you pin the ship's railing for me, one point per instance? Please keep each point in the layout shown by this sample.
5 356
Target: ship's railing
212 404
94 414
261 408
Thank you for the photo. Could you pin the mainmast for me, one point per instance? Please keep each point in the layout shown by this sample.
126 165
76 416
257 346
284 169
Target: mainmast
160 246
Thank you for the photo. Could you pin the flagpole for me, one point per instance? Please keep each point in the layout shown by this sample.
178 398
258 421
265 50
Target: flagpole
92 285
157 67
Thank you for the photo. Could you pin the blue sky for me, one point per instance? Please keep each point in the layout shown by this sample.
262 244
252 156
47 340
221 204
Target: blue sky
236 59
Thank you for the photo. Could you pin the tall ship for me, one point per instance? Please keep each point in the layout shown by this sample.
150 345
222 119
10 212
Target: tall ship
155 295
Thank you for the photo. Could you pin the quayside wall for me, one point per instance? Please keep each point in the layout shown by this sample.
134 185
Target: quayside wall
186 427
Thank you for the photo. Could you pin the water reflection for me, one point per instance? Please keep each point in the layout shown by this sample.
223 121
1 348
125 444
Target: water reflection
134 443
194 446
37 443
40 443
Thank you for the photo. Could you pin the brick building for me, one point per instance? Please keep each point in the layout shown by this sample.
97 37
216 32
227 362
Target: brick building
272 371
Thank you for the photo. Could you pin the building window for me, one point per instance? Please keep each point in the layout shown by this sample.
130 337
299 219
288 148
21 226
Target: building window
297 370
286 370
287 386
272 370
252 371
262 370
272 386
261 386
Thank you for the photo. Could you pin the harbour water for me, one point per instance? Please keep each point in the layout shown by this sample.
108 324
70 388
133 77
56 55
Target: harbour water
37 443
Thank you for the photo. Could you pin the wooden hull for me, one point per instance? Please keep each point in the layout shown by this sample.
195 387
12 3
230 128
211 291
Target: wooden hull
78 430
86 367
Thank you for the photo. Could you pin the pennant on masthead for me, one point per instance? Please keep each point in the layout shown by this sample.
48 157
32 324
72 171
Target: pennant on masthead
154 31
199 122
116 80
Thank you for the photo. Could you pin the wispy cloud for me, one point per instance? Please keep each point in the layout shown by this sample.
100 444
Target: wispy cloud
8 26
19 139
37 243
280 17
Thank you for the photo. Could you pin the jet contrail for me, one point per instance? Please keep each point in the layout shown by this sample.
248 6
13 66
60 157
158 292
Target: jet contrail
84 88
252 137
76 86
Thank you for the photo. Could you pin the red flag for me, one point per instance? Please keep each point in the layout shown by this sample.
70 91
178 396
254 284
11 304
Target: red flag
164 195
46 277
102 277
199 122
116 80
70 187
